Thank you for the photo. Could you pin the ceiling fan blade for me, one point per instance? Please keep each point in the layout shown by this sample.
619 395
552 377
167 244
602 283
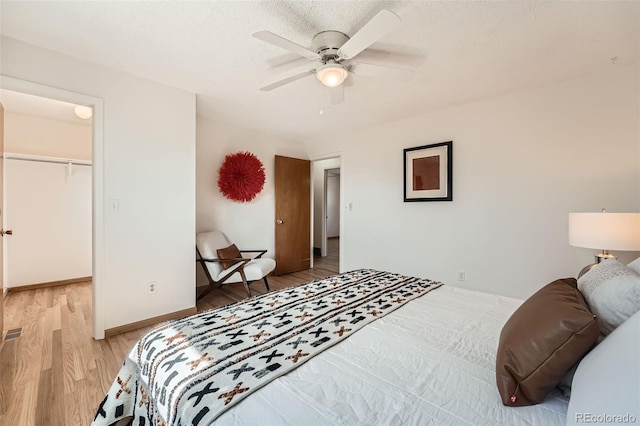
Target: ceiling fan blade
275 39
379 71
336 94
380 25
287 80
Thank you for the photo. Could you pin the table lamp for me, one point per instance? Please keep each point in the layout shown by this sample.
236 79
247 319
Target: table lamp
604 231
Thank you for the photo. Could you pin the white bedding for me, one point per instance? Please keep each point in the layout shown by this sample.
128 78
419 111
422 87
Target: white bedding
431 362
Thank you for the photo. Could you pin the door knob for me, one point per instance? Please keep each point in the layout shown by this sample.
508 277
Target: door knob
279 221
7 232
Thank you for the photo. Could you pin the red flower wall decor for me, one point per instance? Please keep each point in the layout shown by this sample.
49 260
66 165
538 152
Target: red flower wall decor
241 177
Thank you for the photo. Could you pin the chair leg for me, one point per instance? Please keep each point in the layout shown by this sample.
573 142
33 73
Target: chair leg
244 281
266 283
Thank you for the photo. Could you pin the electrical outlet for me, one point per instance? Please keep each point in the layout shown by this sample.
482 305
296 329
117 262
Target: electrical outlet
153 286
461 275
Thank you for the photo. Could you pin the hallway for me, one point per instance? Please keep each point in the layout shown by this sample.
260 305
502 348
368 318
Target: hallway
330 262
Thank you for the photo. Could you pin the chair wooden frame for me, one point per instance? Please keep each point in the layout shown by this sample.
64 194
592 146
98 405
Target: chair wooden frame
237 267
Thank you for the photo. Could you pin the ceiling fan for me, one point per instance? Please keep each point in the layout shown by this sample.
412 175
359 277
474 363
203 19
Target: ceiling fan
333 50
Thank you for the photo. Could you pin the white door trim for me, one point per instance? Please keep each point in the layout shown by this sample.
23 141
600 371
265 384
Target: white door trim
97 152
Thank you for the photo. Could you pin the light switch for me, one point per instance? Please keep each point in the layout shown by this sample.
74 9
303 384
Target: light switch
114 206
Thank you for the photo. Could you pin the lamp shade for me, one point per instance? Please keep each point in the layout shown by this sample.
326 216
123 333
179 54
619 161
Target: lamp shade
605 231
332 74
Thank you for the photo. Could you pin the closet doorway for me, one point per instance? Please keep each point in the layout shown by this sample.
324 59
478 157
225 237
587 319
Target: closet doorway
47 192
98 183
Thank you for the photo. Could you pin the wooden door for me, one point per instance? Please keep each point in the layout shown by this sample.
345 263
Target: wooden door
293 214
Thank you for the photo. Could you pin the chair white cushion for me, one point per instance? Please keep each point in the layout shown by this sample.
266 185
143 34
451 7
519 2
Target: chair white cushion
256 269
208 243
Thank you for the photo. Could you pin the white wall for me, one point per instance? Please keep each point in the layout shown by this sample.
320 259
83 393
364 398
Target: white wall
29 134
521 162
249 225
50 216
318 171
149 168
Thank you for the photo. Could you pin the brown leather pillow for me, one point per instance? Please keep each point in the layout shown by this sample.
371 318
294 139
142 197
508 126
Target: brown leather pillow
230 252
543 339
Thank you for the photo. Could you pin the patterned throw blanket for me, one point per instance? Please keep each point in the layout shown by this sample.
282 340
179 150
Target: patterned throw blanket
189 371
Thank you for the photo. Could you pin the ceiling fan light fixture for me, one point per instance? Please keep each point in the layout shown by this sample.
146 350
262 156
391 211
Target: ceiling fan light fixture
332 75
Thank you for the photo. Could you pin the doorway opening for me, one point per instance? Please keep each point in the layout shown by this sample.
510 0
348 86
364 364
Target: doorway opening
327 212
95 171
47 192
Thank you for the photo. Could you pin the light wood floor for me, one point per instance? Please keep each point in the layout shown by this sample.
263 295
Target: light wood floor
330 262
56 374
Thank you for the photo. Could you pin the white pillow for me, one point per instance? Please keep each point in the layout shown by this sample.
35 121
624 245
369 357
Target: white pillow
612 291
635 265
606 386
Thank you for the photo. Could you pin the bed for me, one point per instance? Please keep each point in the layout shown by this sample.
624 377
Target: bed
425 354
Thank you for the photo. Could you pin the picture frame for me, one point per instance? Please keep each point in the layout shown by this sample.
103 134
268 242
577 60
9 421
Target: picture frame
428 172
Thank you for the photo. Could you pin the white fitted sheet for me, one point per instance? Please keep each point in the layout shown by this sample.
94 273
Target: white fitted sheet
431 362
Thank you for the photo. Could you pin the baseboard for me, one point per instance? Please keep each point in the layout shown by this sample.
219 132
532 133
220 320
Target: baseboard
333 238
48 284
149 322
316 251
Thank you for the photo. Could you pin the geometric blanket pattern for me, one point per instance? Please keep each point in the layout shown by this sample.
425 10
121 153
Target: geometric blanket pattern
189 371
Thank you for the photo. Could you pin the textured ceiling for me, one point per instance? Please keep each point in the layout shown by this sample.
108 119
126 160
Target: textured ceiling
460 51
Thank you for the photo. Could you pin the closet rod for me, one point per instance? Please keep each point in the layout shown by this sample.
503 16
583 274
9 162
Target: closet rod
39 160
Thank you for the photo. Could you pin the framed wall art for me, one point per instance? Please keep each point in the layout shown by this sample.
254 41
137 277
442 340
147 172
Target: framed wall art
428 172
